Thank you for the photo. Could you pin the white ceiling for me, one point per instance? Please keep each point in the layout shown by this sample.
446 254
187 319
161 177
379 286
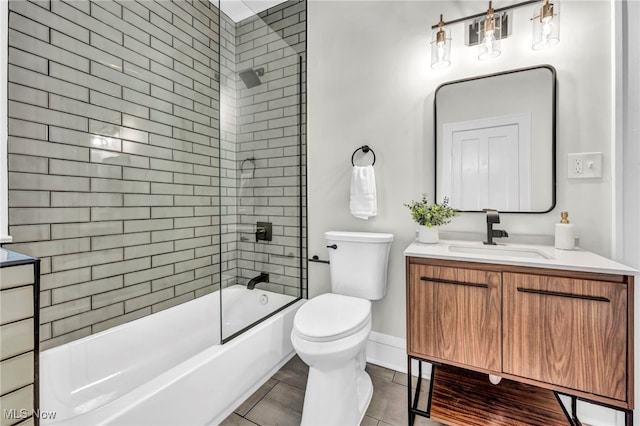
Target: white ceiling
242 9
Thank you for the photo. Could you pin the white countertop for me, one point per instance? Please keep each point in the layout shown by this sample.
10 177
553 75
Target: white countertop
509 254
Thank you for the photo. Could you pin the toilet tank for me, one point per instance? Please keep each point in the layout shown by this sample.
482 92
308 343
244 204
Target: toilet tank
359 263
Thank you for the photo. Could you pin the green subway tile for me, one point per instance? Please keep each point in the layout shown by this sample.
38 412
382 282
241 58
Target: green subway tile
148 250
74 261
119 159
27 129
28 164
146 175
83 79
147 200
148 299
120 240
120 186
60 279
62 310
53 248
73 168
76 322
28 198
118 268
76 291
27 60
165 259
147 225
27 216
172 235
146 150
46 50
73 230
148 275
26 233
71 106
47 149
119 213
83 199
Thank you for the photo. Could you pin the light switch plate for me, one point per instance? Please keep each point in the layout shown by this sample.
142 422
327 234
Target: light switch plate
584 165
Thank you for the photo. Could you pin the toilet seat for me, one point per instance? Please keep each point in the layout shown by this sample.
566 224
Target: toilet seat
331 316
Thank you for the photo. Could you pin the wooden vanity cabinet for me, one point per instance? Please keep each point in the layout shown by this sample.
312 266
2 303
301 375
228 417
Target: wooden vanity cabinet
566 331
460 308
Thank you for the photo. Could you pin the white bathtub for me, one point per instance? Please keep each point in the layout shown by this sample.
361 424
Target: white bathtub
169 368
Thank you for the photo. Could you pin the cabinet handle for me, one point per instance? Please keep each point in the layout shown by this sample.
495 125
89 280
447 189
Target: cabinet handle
561 294
441 281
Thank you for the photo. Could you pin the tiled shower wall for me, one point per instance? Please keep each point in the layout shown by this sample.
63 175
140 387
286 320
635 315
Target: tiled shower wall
270 123
113 156
261 144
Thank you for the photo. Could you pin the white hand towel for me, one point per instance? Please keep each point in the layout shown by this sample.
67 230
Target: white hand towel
363 202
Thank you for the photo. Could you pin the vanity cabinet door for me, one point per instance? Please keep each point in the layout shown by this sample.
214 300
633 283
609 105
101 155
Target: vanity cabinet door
454 315
568 332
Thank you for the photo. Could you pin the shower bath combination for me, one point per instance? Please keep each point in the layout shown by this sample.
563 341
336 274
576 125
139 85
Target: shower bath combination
225 208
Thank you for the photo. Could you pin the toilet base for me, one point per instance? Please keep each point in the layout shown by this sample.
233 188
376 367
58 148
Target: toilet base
339 397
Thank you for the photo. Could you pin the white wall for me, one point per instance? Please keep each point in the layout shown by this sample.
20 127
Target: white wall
370 82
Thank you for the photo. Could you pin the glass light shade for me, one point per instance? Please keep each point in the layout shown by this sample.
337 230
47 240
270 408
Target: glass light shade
546 25
440 50
490 34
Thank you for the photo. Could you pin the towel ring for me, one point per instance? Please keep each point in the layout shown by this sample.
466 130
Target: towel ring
365 149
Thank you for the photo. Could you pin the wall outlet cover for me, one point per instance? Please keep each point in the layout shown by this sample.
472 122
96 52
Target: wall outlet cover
584 165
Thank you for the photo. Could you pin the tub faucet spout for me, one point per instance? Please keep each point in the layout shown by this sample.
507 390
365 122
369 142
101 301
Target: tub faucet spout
262 278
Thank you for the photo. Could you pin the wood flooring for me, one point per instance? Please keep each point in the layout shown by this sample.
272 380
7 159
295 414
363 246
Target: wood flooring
467 398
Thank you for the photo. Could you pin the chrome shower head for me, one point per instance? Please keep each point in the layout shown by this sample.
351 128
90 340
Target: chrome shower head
250 77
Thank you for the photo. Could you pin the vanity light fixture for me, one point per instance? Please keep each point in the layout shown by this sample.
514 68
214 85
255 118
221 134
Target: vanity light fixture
487 29
440 47
489 46
546 26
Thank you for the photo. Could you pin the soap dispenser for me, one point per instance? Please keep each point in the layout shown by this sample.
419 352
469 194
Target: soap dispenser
565 234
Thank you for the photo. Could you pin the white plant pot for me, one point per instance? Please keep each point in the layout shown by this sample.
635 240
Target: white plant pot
428 235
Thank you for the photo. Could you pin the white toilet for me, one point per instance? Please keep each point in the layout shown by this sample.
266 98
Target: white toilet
330 331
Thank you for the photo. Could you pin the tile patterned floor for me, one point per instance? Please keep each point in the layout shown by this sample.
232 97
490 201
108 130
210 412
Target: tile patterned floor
279 401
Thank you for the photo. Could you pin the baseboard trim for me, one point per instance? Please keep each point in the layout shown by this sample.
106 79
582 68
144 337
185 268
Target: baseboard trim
391 352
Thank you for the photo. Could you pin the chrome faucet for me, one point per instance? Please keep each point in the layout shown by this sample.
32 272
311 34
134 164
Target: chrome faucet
493 217
262 278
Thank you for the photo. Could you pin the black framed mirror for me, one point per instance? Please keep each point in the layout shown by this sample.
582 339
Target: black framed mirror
495 139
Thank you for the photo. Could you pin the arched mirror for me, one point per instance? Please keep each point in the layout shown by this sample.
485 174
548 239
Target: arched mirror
495 141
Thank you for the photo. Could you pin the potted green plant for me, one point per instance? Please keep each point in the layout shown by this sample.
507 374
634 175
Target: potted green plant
430 217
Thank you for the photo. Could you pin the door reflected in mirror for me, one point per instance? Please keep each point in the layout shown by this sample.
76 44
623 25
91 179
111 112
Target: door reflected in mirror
495 141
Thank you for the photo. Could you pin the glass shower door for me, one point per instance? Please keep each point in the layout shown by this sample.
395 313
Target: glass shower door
262 166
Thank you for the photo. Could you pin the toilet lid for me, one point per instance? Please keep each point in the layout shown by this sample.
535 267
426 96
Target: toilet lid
331 316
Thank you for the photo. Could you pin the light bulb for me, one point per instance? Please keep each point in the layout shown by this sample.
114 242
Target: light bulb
440 51
488 42
546 25
440 48
489 47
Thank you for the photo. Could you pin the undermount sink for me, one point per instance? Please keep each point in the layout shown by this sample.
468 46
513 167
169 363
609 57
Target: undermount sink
499 250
